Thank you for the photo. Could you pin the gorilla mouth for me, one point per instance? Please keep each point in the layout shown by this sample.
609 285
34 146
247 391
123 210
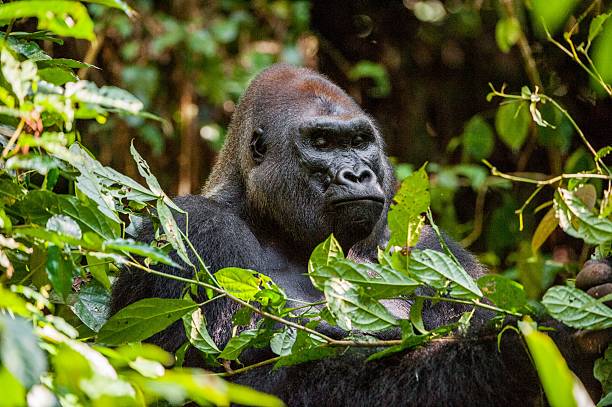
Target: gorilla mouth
352 200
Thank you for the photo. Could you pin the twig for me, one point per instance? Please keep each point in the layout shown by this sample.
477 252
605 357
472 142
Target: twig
523 44
550 181
467 302
13 138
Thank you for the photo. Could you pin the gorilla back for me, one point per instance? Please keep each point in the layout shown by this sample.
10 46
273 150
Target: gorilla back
302 161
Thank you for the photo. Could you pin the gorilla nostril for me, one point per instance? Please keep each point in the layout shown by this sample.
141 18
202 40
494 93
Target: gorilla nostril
349 177
366 176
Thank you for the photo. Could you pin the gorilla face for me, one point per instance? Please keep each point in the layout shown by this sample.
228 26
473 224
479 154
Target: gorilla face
340 156
314 162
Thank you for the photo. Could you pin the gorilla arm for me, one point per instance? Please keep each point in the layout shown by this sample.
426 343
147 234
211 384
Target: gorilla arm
221 238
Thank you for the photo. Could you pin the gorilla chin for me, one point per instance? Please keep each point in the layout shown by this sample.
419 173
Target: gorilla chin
354 220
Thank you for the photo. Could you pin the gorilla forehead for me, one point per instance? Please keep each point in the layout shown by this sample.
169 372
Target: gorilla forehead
288 93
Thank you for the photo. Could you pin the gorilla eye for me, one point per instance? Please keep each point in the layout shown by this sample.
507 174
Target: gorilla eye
320 142
258 147
358 141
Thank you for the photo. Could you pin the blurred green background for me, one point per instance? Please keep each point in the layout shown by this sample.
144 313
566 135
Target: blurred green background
421 68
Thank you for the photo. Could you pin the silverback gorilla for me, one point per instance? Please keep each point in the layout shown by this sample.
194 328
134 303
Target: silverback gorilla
301 161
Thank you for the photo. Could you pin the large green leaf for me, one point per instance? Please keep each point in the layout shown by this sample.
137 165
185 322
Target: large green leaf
405 215
377 280
577 220
435 268
478 140
557 380
142 319
19 351
353 308
65 18
576 308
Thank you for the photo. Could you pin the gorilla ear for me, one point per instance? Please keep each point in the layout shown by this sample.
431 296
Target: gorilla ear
258 146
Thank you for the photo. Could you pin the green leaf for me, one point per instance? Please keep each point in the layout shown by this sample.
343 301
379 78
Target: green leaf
323 255
106 96
478 139
377 280
120 4
172 231
242 283
64 225
141 249
507 33
39 163
603 370
142 319
18 74
577 220
197 332
19 351
65 18
307 355
237 344
353 308
512 124
14 393
57 76
556 378
551 15
597 25
59 269
92 305
434 268
576 308
504 293
405 215
282 342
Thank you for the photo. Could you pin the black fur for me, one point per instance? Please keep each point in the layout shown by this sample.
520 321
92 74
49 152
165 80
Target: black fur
275 193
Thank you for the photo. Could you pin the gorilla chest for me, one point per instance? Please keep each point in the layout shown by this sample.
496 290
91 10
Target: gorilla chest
289 274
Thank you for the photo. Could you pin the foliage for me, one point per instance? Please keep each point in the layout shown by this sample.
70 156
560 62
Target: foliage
63 235
67 226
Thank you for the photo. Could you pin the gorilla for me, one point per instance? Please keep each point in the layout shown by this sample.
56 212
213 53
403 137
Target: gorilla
302 161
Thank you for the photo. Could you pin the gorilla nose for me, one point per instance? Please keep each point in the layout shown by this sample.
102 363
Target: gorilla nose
363 177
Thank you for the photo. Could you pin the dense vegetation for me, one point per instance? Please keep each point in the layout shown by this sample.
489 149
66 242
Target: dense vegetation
67 221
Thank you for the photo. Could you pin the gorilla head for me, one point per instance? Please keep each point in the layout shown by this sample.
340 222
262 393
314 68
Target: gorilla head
305 161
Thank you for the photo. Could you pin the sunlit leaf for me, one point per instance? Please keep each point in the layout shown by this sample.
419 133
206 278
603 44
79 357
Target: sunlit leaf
507 33
405 215
65 18
435 268
556 378
237 344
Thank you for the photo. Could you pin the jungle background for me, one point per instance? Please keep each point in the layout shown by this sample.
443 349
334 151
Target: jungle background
420 68
507 102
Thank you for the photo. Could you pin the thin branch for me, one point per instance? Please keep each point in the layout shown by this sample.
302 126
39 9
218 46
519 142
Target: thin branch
550 181
13 138
468 302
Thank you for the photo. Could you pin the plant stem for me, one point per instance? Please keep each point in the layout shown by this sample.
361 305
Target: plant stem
473 302
550 181
238 300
